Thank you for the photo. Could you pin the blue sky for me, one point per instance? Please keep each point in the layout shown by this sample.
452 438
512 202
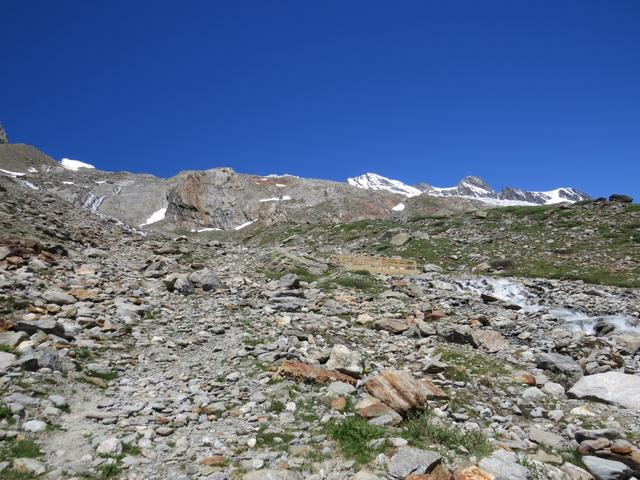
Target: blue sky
536 94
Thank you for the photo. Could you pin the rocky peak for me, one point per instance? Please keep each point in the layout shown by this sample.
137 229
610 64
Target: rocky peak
475 187
3 135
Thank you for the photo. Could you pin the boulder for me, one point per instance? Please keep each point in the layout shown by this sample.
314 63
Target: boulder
610 387
559 363
399 390
391 325
48 326
504 465
414 461
205 279
345 360
58 297
604 469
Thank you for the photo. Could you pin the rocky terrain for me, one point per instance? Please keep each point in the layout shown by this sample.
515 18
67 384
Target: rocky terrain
138 353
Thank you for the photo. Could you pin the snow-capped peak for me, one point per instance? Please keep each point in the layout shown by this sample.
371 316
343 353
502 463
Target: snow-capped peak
74 165
373 181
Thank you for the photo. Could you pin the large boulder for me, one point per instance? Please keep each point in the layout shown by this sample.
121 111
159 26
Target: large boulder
604 469
399 389
205 279
620 198
504 465
610 387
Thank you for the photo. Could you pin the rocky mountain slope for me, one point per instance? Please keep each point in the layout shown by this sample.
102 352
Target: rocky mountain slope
251 354
221 199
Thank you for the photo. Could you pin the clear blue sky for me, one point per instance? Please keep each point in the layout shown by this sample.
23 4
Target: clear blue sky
535 94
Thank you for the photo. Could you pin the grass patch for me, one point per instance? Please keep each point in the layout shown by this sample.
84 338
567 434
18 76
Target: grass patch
353 434
107 376
276 406
273 440
365 283
464 363
10 449
424 430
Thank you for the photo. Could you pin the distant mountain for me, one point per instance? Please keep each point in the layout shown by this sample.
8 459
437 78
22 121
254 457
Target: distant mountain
472 188
222 199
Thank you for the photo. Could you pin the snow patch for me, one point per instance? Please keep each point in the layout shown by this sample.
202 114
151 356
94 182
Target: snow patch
399 207
373 181
275 199
155 217
68 183
74 165
29 184
205 229
32 170
275 175
12 174
280 185
246 224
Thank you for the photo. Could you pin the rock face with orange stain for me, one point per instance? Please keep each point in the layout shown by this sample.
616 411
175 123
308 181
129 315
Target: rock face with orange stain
399 390
308 373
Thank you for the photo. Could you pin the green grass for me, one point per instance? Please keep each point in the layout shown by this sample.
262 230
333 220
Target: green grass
108 376
424 431
130 449
465 363
109 470
356 281
353 434
273 440
10 449
276 406
10 474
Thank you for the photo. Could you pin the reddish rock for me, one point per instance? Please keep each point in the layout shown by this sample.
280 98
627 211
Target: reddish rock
435 391
214 461
435 315
378 410
472 473
308 373
526 378
399 390
339 403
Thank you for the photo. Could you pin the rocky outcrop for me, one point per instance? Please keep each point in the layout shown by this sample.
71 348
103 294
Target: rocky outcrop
3 135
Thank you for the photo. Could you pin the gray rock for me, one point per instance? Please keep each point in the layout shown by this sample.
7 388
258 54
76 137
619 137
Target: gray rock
205 279
34 426
7 360
29 465
47 357
183 285
58 297
410 460
110 446
49 326
611 387
345 360
289 281
561 364
542 437
340 389
12 339
504 466
604 469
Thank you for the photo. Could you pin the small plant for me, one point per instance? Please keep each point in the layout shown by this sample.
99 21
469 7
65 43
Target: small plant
273 440
109 470
423 431
276 406
11 449
354 436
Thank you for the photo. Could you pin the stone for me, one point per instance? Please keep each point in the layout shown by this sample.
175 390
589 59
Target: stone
12 339
48 326
345 360
400 239
620 198
340 388
305 372
542 437
29 465
604 469
610 387
58 297
410 460
553 389
378 410
399 390
7 360
561 364
205 279
111 446
472 473
489 340
34 426
391 325
183 285
504 465
289 281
